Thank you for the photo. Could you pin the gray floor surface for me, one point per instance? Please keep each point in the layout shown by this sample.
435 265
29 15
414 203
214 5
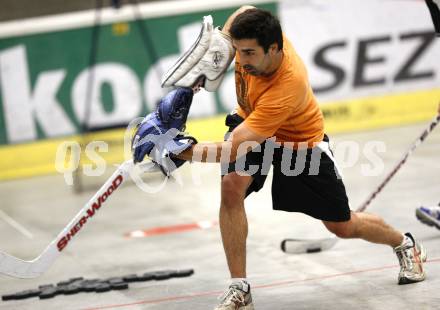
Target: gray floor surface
353 274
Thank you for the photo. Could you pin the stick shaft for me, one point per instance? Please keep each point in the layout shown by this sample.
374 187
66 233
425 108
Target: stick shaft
400 163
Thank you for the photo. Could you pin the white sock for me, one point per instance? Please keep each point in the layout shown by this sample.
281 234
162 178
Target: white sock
243 281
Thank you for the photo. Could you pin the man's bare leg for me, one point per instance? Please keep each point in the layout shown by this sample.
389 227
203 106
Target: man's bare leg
366 226
370 227
233 222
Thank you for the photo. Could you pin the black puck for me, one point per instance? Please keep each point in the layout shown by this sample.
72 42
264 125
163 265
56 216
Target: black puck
110 279
21 295
183 273
8 297
92 280
63 283
130 278
44 286
77 283
90 286
71 289
119 286
60 289
33 293
26 294
115 280
80 284
102 287
163 275
48 293
88 281
147 276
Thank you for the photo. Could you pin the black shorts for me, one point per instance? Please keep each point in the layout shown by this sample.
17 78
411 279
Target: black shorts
305 181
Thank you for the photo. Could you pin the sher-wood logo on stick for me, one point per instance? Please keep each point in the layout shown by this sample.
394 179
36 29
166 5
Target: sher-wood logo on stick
64 241
18 268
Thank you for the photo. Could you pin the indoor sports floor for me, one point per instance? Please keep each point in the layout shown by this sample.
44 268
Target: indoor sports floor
352 275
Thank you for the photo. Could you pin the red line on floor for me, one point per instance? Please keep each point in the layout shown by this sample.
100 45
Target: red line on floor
271 285
171 229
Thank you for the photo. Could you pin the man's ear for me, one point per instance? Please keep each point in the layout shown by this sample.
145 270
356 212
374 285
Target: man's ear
273 48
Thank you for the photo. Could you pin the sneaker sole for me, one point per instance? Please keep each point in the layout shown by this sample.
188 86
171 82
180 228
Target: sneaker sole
422 217
404 281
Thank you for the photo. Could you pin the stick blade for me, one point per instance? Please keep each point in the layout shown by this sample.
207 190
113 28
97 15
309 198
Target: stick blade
301 246
18 268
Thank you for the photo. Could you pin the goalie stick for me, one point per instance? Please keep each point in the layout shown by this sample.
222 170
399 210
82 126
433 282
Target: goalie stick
298 246
16 267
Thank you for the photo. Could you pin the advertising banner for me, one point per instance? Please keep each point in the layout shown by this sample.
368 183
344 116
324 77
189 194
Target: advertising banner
371 64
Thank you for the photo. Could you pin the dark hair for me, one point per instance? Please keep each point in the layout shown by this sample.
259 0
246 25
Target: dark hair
257 24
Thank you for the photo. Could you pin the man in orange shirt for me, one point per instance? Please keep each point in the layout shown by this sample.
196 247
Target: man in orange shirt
278 122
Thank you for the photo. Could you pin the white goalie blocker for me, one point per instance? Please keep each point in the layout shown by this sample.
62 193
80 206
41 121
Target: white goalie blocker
208 59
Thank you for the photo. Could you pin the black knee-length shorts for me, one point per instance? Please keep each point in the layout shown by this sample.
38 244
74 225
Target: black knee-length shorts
304 180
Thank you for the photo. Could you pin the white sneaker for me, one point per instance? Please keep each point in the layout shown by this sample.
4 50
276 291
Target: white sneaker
411 255
429 215
236 297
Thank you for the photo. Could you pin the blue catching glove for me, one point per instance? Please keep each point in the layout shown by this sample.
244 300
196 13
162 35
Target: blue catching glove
160 137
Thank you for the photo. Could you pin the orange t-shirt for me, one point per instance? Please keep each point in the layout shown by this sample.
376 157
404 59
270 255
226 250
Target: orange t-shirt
282 105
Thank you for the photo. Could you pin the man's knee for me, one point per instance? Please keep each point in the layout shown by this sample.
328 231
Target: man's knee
233 188
342 230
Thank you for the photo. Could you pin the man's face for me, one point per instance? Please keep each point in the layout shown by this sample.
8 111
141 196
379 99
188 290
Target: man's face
252 57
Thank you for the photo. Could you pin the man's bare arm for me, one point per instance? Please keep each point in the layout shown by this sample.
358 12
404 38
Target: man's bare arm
240 142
